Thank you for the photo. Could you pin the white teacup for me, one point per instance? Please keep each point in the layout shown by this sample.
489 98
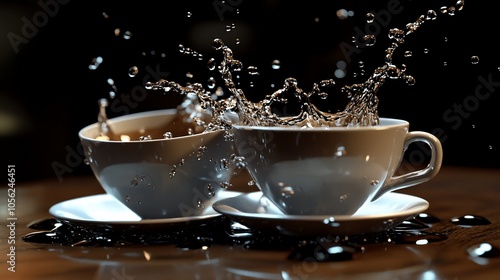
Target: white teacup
335 170
159 178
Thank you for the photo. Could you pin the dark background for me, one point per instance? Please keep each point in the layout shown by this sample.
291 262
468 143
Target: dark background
48 93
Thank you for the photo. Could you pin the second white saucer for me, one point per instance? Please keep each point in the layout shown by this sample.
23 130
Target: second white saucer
256 212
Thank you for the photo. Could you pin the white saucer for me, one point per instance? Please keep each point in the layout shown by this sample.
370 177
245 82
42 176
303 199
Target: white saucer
256 212
103 210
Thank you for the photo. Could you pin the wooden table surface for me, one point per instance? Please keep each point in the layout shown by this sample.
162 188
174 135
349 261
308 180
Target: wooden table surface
454 192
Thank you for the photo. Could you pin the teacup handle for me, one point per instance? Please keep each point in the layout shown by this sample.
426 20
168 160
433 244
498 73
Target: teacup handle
418 176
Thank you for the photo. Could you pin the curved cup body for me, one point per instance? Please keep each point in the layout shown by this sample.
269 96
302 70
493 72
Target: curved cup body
162 178
330 171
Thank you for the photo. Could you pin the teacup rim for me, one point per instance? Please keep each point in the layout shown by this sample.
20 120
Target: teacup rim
138 115
394 122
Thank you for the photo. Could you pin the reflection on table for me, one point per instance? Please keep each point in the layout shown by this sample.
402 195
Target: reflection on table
458 249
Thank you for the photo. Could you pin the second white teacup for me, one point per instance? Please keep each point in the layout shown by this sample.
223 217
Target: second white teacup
334 170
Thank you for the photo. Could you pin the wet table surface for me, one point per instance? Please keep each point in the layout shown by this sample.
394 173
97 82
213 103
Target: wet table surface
454 192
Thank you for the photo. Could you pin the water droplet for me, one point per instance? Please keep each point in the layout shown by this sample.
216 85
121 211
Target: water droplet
397 34
287 191
340 151
133 71
339 73
228 136
411 224
200 151
225 185
210 190
474 59
326 83
134 182
341 64
219 91
342 14
331 222
470 220
370 17
173 171
451 11
224 163
427 218
276 64
369 40
431 15
168 135
410 80
343 197
199 204
252 70
217 44
127 35
145 138
239 162
393 72
322 252
418 237
95 63
483 250
374 182
211 83
189 14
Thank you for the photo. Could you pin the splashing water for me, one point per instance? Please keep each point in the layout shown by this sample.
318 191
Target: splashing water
202 112
190 119
361 110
